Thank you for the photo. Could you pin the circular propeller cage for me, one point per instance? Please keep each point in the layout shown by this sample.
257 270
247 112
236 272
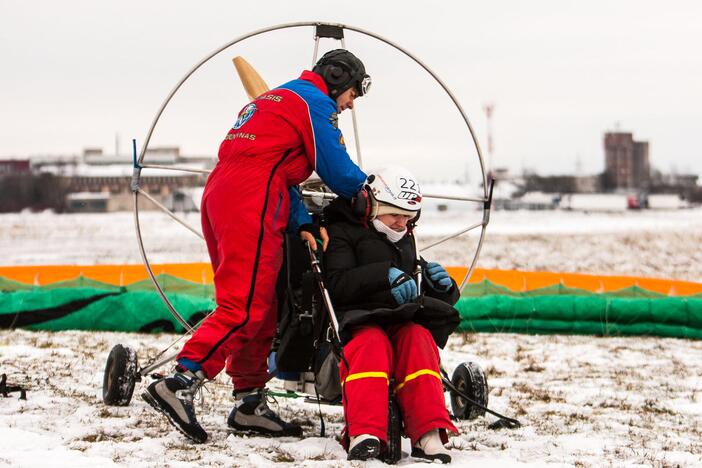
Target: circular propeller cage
313 188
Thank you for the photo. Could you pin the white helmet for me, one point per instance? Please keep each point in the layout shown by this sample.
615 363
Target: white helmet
394 186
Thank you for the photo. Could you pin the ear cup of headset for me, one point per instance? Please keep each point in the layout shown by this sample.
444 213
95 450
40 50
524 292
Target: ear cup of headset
361 204
336 74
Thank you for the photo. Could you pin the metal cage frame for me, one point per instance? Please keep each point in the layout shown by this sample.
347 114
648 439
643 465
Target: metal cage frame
329 30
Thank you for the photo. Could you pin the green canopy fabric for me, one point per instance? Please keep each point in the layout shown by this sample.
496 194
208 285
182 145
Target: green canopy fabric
84 304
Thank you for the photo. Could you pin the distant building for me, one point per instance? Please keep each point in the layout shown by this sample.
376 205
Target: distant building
14 166
677 183
562 183
165 155
588 183
626 162
95 181
87 202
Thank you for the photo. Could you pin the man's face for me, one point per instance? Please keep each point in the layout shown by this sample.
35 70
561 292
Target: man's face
345 100
396 222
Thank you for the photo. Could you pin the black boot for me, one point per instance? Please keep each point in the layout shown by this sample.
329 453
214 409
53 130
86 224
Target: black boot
173 396
251 413
363 447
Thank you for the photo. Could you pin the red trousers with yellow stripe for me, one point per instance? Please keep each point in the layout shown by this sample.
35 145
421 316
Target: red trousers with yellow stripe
407 353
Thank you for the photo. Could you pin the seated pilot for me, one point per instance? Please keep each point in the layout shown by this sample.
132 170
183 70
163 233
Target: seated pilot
389 329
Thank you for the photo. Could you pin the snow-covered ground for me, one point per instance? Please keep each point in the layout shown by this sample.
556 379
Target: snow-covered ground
583 401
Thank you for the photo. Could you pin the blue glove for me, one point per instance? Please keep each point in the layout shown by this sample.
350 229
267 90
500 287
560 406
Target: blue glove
437 277
402 286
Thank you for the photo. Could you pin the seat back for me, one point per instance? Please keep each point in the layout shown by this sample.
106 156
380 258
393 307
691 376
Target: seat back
302 318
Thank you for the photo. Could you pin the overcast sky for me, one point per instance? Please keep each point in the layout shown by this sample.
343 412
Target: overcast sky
74 74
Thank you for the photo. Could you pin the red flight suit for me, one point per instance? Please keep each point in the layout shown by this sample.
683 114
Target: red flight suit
275 143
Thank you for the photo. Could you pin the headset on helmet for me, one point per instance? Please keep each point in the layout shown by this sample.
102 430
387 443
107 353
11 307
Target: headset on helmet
362 204
342 70
391 185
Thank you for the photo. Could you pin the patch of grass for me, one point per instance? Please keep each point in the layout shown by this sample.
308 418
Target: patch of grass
679 368
573 418
492 371
283 458
532 366
614 403
91 438
100 436
519 408
653 406
536 393
469 338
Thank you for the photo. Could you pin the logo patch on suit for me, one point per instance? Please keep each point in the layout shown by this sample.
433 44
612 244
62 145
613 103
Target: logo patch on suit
244 116
334 120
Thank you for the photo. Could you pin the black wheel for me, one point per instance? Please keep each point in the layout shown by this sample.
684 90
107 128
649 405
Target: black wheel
120 376
394 449
470 379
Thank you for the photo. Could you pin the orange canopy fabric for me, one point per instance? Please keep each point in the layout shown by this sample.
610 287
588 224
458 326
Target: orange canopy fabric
118 275
201 273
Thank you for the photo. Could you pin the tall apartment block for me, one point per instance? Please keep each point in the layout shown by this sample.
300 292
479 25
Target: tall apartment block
626 162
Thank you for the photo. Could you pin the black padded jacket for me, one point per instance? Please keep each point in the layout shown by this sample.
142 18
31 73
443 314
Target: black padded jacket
356 265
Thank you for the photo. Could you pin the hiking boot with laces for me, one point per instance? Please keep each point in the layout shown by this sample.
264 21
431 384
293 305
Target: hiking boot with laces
251 413
173 396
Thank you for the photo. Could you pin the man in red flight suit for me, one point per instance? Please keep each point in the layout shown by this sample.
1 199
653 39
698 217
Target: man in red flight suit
388 331
249 201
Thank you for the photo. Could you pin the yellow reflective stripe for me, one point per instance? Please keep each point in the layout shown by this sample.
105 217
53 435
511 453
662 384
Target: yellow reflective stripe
414 375
365 375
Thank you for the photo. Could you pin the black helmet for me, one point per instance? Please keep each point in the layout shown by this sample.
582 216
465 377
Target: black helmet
341 70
